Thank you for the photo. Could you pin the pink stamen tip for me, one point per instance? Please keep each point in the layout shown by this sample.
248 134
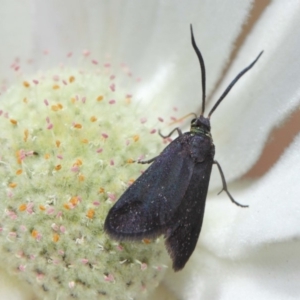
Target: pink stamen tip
107 65
99 150
61 252
94 61
22 268
54 227
160 119
109 278
55 77
50 126
46 103
64 82
104 135
23 228
143 120
83 99
84 261
86 53
50 211
35 81
112 101
173 119
75 169
62 229
59 156
112 163
113 87
111 196
96 203
120 248
153 131
112 77
69 54
59 214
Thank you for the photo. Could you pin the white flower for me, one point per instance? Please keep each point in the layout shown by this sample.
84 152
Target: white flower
242 253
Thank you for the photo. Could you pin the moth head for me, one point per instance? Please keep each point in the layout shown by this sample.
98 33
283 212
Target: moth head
200 124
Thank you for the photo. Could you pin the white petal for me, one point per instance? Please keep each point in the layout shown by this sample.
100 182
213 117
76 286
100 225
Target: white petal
13 289
266 95
15 33
151 37
273 215
261 276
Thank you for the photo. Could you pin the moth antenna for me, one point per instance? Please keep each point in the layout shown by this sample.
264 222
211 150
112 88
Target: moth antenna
233 82
202 66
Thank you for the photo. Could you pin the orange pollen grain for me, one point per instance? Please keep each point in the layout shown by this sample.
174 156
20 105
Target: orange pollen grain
93 119
34 233
18 154
22 207
47 156
26 133
71 79
128 100
131 181
136 137
12 185
90 214
77 126
85 141
55 237
73 100
19 172
57 143
100 98
67 206
57 107
74 200
101 190
130 161
55 87
146 241
81 177
26 84
25 100
42 207
13 121
78 162
57 167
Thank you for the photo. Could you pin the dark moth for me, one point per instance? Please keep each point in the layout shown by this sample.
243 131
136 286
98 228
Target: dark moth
169 197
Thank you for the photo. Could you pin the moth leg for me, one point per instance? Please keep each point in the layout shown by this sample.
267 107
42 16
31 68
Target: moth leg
225 189
166 136
149 161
